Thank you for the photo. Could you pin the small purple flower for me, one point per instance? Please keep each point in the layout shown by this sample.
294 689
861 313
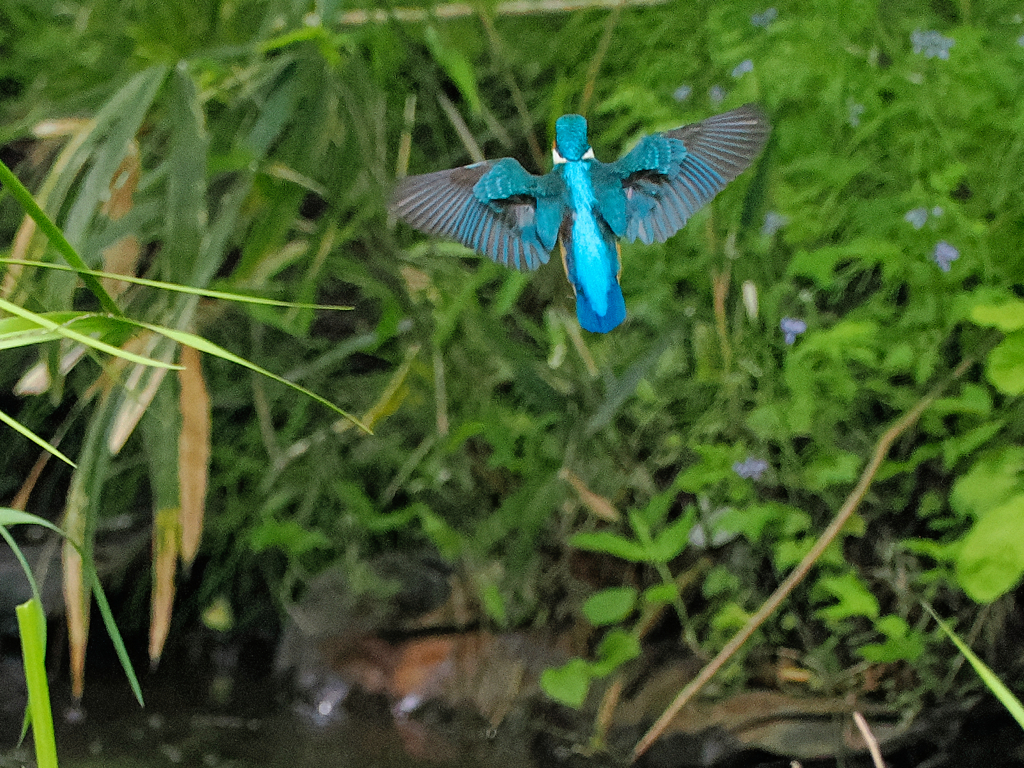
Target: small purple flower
937 211
764 18
750 468
792 327
682 93
917 217
856 110
944 255
742 68
717 94
932 44
773 222
1020 41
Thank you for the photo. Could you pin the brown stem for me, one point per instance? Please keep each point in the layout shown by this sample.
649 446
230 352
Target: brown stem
798 574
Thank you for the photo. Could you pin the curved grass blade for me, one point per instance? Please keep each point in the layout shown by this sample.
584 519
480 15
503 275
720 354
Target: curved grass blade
192 340
24 431
56 237
204 292
32 628
988 677
10 516
64 330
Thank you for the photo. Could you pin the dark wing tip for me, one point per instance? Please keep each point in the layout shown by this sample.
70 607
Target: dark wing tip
728 142
443 203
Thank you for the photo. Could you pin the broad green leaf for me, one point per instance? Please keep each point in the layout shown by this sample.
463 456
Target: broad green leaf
661 594
853 598
672 539
568 683
901 643
990 561
616 648
995 476
1007 316
1005 365
611 544
610 606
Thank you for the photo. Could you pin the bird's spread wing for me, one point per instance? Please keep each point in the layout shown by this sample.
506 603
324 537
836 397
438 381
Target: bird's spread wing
494 207
668 176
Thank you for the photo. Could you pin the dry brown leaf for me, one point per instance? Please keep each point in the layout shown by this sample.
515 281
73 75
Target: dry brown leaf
598 505
76 596
19 251
123 184
165 559
120 258
193 451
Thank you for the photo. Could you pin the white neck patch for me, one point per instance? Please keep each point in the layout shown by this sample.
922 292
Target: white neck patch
558 159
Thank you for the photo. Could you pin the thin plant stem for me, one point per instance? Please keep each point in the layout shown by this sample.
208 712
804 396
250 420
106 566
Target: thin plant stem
800 572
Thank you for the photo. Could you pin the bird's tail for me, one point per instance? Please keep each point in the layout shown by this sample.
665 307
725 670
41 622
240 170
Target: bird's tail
596 323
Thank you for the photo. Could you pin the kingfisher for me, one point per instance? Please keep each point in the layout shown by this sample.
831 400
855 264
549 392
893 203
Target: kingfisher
502 211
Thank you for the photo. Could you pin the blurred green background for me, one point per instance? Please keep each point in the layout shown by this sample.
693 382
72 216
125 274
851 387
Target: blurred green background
251 146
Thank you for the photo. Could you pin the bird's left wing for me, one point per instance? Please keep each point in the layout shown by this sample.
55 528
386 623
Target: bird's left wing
668 176
494 207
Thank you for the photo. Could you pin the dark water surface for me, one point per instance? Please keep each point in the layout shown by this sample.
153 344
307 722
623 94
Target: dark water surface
195 716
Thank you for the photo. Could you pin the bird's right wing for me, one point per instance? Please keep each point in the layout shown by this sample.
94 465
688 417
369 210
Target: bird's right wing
668 176
495 207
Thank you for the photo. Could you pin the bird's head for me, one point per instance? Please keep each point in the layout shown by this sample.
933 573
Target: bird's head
571 139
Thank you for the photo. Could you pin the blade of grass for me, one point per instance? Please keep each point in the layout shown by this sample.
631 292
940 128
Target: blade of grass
988 677
17 426
10 516
64 330
192 340
32 628
204 292
56 237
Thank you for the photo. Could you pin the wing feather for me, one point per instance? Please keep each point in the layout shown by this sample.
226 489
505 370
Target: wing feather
451 204
668 177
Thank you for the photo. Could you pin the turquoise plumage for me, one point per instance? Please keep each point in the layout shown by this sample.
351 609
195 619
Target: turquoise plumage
500 210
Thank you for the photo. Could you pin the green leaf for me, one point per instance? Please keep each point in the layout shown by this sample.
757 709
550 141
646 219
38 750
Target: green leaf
990 561
32 628
185 215
672 540
1005 365
611 544
610 606
853 598
17 426
494 603
568 683
198 342
661 594
1007 316
67 331
995 476
164 286
289 536
615 649
901 644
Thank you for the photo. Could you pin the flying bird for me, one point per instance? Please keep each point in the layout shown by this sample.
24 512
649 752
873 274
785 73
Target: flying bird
500 210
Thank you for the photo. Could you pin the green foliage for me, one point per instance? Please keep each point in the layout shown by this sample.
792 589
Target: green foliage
268 138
